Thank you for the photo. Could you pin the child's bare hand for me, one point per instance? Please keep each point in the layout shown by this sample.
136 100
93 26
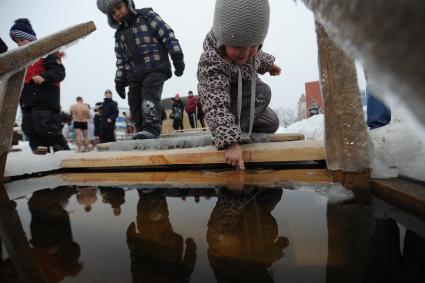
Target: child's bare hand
38 80
275 70
233 155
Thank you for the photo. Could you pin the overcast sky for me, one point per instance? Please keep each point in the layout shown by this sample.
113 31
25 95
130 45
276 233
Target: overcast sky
90 64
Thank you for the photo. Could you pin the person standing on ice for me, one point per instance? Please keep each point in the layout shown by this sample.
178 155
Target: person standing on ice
190 108
177 113
80 116
234 99
143 42
108 118
40 97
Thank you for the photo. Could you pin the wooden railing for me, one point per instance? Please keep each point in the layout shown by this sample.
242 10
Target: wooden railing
12 72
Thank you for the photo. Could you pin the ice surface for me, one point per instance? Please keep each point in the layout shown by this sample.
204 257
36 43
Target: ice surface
333 192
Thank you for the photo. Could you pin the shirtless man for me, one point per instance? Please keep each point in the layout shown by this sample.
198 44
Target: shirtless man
80 113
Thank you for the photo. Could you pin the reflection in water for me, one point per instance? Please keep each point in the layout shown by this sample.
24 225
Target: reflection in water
86 196
156 251
114 196
242 242
51 235
388 261
243 236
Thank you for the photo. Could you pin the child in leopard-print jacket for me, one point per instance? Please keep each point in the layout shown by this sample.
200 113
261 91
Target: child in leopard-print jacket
234 99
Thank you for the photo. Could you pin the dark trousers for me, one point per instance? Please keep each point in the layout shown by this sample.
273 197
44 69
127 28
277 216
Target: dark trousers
192 119
42 126
107 133
202 121
178 124
265 120
144 98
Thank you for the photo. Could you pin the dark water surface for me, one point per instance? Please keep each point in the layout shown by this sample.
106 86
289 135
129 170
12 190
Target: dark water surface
119 234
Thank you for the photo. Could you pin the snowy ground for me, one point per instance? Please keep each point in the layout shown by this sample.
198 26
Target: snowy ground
25 162
398 150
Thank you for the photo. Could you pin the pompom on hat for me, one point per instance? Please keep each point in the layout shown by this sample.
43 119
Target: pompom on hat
22 29
241 23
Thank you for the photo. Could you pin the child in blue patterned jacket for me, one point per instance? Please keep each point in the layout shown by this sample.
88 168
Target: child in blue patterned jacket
143 43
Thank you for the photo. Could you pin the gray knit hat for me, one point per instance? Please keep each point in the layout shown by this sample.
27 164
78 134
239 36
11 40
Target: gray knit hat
106 6
241 22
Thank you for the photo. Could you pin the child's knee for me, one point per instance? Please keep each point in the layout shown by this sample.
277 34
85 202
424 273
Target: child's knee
264 93
274 125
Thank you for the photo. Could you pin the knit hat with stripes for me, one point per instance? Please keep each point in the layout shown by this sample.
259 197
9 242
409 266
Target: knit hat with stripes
22 29
241 23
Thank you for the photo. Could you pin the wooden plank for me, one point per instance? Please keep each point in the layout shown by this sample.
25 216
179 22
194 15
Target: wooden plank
14 239
286 137
10 92
392 58
252 153
19 58
263 178
401 193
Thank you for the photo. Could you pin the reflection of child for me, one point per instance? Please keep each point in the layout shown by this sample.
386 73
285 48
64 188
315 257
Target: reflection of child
242 235
233 97
87 197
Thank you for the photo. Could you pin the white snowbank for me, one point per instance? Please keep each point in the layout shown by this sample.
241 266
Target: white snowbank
312 128
399 149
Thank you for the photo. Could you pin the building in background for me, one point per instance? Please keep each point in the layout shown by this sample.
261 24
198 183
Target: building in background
313 98
302 108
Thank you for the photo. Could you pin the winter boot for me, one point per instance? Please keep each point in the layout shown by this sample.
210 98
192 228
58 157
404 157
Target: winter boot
41 150
144 135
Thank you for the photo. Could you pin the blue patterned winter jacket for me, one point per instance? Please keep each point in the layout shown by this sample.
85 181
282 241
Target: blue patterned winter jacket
154 40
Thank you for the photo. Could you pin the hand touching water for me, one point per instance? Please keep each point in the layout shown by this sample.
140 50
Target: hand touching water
233 155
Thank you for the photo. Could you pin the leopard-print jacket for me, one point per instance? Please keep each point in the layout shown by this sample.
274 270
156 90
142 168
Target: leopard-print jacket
215 76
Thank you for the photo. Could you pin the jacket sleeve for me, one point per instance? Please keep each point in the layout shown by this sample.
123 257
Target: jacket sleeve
264 62
214 91
55 71
121 74
114 112
165 34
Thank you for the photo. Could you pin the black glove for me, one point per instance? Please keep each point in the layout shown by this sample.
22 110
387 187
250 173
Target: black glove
178 66
120 88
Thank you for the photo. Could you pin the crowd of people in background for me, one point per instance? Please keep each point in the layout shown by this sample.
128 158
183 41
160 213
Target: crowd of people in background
193 109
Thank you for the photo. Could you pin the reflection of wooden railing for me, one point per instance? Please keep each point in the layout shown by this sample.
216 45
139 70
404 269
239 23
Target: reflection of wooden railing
12 72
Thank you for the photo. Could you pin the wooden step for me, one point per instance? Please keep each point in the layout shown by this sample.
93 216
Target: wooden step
196 179
252 153
404 194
